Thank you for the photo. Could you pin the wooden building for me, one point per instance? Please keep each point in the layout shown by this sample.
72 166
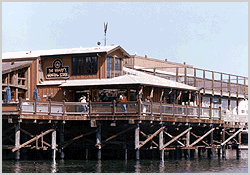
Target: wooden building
181 100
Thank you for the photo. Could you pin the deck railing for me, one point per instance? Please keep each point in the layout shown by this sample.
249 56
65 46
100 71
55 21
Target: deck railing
213 82
138 108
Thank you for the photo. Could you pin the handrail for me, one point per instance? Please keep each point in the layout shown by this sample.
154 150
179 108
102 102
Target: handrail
139 108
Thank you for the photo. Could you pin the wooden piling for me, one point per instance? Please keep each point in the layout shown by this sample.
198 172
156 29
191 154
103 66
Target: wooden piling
53 145
137 139
61 140
237 151
98 140
17 140
160 145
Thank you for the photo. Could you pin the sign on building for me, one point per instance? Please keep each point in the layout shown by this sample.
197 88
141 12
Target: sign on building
57 71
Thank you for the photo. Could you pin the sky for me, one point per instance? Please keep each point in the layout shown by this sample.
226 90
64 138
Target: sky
207 35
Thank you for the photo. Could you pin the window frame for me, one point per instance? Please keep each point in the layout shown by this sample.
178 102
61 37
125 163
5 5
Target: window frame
84 65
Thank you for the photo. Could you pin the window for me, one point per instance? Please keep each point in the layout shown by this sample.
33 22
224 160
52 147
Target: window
113 69
84 65
40 65
117 67
109 67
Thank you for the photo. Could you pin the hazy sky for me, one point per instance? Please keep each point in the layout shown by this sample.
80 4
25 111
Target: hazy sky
208 35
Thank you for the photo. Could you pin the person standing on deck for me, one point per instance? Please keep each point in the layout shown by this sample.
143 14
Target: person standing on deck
122 99
83 107
147 99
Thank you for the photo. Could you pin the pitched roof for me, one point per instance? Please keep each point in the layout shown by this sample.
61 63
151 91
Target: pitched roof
137 77
12 66
37 53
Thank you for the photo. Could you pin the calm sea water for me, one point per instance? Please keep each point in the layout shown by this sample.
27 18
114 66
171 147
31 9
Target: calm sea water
196 165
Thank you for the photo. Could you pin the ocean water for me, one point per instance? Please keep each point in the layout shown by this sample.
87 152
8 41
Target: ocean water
195 165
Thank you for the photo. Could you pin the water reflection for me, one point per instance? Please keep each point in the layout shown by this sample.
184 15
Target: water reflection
17 167
162 167
53 167
137 166
99 166
196 165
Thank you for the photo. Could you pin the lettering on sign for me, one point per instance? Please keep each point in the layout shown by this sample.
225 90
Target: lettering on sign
57 71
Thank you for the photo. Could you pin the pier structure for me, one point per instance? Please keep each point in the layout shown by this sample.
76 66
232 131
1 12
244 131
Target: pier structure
161 117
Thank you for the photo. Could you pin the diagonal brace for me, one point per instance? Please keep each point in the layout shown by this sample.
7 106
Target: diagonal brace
231 137
151 137
202 137
31 140
67 143
115 136
199 137
145 135
174 139
27 133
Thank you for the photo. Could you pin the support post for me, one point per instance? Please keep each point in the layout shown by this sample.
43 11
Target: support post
223 139
237 151
61 140
53 145
98 140
126 151
210 150
137 139
17 139
161 140
188 141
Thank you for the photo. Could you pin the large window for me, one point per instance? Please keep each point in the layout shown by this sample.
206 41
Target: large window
113 67
84 65
109 67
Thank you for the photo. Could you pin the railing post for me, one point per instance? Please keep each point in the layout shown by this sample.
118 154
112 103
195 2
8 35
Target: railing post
20 106
151 108
212 82
186 111
204 80
229 85
176 74
35 105
185 72
139 107
221 77
199 111
220 112
49 106
237 86
63 107
173 109
244 87
210 109
90 107
161 108
114 108
195 77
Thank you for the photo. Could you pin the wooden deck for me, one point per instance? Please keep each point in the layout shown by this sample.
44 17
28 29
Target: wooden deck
131 111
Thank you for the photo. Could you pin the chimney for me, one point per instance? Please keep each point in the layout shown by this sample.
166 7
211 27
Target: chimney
184 63
146 56
166 59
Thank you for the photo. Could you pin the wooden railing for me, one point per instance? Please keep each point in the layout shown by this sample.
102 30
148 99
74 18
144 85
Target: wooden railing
114 108
131 108
213 82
